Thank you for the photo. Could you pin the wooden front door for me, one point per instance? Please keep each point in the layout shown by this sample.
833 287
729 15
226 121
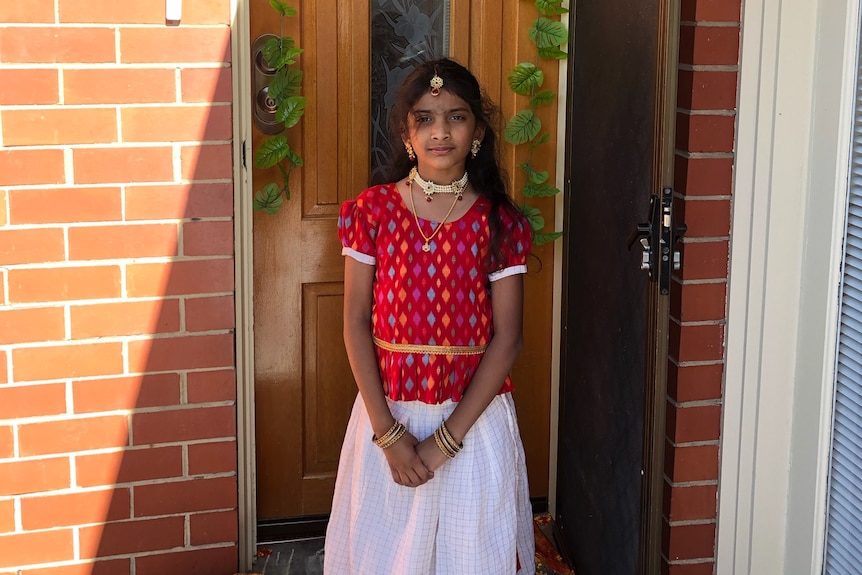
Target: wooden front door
303 385
613 375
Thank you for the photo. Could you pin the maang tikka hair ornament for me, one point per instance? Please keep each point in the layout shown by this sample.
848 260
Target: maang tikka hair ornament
436 83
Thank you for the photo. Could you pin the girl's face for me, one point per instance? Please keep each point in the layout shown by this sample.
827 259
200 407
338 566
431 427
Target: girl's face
441 129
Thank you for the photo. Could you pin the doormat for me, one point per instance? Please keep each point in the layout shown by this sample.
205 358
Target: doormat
280 558
548 559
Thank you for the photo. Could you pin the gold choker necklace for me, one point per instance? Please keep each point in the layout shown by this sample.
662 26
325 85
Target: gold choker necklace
426 247
457 187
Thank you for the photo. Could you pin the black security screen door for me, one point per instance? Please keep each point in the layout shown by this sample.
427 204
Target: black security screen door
619 153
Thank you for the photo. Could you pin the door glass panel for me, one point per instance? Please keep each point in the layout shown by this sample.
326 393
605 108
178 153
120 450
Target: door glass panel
403 33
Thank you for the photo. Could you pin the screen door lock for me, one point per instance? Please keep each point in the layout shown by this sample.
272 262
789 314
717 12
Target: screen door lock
658 238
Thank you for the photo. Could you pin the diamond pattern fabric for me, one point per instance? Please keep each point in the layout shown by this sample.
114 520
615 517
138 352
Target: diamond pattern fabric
440 297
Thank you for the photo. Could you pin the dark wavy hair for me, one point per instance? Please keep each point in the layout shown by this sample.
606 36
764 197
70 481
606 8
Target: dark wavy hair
484 171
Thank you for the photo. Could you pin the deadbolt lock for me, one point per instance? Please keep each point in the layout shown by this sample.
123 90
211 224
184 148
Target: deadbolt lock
262 74
658 238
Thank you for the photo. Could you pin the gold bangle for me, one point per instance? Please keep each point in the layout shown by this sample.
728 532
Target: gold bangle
456 447
388 435
402 429
438 438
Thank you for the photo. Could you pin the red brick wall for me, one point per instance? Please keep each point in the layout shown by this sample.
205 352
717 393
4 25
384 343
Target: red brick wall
117 384
708 79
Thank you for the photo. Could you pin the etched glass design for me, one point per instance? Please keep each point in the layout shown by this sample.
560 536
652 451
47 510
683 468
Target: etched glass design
403 33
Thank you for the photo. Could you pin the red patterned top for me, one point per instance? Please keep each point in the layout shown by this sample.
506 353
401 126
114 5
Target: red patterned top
440 297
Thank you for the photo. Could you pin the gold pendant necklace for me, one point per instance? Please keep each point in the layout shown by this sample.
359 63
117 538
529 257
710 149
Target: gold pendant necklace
426 247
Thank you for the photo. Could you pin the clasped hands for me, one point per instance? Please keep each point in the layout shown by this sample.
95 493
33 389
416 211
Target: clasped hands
413 462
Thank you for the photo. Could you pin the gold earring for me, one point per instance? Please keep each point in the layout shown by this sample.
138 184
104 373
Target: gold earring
410 153
474 148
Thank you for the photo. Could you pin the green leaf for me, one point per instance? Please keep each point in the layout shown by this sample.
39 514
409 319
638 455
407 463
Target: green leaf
533 175
543 97
552 53
293 82
525 77
287 82
522 127
550 7
290 111
294 159
534 216
546 33
268 199
542 139
275 47
272 151
287 58
540 190
282 8
539 239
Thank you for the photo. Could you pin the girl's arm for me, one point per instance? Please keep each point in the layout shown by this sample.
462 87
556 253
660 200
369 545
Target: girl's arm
406 466
507 304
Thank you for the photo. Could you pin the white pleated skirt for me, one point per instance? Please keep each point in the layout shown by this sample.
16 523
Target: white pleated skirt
474 517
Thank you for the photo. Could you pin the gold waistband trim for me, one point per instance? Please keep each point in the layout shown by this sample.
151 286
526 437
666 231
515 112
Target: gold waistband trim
431 349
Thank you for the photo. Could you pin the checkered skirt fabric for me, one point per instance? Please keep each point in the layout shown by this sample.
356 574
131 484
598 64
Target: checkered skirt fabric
474 517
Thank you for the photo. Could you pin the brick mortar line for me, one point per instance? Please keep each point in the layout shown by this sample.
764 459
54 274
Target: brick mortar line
696 198
119 106
690 522
689 155
124 223
65 264
696 323
695 403
705 443
120 449
112 25
132 556
79 490
122 375
704 239
684 282
122 186
696 363
683 67
115 339
710 23
37 419
117 51
7 205
684 484
114 65
722 113
32 458
136 519
115 223
119 145
110 301
128 484
698 561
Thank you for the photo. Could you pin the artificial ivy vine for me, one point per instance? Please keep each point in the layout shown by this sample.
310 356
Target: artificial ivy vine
280 53
525 127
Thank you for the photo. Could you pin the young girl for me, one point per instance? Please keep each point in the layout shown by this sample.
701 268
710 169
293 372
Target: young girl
431 478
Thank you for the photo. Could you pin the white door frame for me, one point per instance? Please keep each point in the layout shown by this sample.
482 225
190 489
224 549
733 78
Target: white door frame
244 278
793 137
